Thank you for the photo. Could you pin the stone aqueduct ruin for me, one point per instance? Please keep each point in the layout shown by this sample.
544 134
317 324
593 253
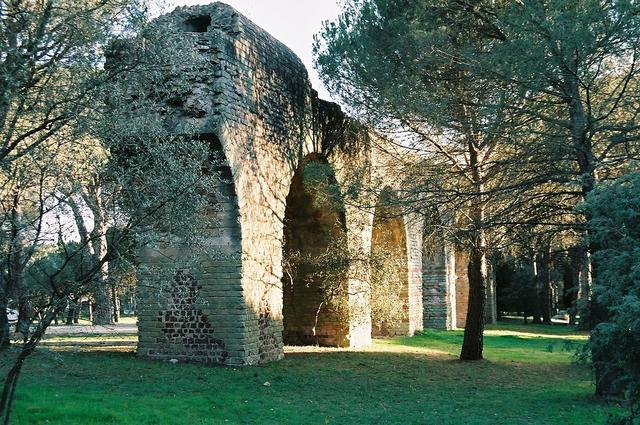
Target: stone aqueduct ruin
255 104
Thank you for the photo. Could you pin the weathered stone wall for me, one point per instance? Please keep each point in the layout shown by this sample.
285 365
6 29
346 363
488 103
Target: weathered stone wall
253 100
413 225
195 315
390 236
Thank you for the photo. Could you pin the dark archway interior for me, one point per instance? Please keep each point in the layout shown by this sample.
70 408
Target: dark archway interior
314 245
389 274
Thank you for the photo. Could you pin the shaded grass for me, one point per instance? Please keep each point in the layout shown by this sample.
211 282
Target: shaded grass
414 380
551 329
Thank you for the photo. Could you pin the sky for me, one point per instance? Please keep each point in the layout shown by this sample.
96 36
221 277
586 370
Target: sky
293 22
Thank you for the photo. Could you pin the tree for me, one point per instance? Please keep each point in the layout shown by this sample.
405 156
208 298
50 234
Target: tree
135 173
406 68
534 100
573 66
50 77
48 56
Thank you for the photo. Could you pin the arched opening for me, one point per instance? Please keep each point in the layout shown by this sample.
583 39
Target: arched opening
389 269
315 259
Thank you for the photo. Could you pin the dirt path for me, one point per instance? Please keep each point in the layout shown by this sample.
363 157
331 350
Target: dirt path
88 329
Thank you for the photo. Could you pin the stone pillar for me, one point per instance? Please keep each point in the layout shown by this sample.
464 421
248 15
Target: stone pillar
434 286
414 230
359 227
192 307
438 280
491 313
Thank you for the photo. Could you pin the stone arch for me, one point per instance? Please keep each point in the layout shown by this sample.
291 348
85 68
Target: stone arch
315 258
389 265
253 93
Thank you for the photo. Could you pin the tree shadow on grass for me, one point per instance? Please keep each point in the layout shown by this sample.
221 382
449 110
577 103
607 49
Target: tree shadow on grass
388 383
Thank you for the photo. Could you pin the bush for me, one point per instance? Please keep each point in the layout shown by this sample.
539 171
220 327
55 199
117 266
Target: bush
615 340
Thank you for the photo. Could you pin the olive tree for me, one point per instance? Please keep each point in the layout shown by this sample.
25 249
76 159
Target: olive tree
109 170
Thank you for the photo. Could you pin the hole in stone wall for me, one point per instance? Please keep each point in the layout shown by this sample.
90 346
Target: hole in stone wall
197 24
389 274
314 259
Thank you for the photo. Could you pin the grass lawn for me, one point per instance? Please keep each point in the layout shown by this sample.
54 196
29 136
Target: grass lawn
527 378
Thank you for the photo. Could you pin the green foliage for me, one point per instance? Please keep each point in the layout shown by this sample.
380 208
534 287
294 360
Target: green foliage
410 69
318 179
402 59
517 107
50 74
573 69
517 292
85 147
615 342
388 284
54 269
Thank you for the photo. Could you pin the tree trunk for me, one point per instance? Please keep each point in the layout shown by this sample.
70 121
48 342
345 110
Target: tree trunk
472 344
102 311
587 162
573 276
544 273
25 311
71 312
116 304
5 333
17 286
584 288
491 315
535 301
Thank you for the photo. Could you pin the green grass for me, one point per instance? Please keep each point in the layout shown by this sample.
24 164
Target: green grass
527 378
